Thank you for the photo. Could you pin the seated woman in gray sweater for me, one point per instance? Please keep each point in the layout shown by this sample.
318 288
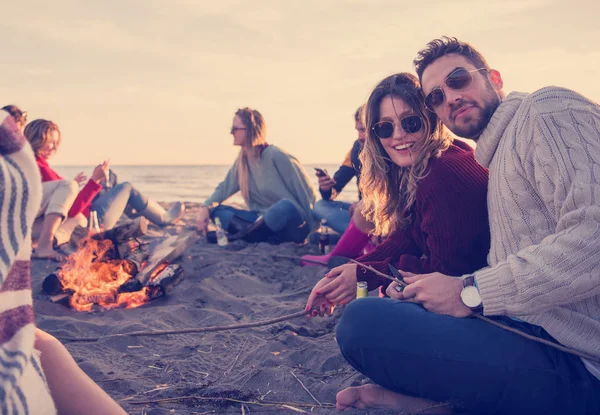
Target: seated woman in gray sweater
274 186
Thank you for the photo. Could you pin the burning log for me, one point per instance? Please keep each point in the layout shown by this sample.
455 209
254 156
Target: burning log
170 249
164 282
123 233
52 284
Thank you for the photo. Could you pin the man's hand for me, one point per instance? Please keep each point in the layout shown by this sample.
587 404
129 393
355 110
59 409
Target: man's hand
436 292
326 183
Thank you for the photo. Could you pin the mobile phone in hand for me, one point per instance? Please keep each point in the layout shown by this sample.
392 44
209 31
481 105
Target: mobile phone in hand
320 172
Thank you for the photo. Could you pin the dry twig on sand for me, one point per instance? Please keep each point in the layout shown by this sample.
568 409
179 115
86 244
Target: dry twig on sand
304 387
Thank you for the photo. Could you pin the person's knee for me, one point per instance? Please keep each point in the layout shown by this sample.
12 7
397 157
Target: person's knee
286 205
320 209
124 186
355 321
47 344
367 319
71 186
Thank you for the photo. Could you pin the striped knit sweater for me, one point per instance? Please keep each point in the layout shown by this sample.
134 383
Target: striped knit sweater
543 155
23 389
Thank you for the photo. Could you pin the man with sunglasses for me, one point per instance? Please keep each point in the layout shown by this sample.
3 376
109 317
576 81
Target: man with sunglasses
543 154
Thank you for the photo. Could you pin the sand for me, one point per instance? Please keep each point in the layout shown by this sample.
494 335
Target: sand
254 364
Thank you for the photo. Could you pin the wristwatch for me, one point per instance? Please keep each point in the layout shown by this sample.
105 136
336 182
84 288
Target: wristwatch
470 295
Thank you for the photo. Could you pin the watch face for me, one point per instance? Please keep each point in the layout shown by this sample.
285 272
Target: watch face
470 297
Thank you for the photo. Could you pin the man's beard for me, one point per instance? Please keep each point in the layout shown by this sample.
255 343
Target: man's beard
473 131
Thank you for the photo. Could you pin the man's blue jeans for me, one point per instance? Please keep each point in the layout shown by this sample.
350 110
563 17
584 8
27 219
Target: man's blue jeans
483 368
284 218
335 213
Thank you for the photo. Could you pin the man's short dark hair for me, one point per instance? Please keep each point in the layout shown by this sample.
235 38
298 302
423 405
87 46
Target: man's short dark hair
444 46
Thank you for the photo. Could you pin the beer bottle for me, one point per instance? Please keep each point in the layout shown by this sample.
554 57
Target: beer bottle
324 238
221 236
361 289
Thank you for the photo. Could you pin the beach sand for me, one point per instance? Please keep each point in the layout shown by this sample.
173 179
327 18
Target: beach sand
252 364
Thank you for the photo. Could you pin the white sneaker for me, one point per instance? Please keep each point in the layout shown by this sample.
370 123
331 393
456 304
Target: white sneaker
174 213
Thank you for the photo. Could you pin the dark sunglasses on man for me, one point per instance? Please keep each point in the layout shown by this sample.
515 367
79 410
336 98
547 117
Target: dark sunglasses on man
385 129
457 80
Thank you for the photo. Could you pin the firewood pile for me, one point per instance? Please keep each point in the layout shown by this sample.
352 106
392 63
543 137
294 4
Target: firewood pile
114 269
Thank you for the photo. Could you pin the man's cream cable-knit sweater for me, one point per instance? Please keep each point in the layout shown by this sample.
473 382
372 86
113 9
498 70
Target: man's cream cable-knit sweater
543 153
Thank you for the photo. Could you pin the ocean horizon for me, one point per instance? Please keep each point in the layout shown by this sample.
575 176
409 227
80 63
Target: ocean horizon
190 183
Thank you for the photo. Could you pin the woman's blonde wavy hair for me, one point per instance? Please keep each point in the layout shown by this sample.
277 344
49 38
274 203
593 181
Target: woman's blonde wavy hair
388 190
38 132
256 139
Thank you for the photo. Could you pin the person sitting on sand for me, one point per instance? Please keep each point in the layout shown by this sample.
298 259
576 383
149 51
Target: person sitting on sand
338 214
274 186
31 360
45 139
421 187
57 198
543 279
345 218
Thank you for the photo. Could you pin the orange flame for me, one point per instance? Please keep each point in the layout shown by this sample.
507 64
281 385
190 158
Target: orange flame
94 281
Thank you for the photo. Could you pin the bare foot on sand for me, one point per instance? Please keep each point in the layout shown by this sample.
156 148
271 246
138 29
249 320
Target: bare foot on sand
47 253
374 396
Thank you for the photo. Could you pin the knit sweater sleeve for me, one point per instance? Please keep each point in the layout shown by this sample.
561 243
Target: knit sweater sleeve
225 189
560 155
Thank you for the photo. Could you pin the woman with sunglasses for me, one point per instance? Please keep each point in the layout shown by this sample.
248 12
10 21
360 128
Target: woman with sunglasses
422 188
274 186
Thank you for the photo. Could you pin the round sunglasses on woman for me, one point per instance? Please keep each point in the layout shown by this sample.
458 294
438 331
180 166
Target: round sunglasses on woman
385 129
457 80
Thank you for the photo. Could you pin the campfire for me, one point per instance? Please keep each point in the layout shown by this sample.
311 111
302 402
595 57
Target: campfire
114 270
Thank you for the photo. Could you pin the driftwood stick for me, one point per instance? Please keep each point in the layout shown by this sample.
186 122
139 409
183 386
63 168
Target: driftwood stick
185 331
538 339
218 399
381 274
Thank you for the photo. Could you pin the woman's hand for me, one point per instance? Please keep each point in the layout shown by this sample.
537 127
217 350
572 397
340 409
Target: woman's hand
338 287
202 219
317 304
80 178
326 183
101 171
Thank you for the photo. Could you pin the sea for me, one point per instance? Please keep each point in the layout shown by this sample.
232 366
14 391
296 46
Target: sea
191 183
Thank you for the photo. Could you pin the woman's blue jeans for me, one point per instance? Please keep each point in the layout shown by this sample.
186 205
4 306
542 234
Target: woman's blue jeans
483 368
335 213
284 218
111 205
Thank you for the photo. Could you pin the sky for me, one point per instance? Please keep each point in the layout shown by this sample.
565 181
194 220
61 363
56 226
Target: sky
157 82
